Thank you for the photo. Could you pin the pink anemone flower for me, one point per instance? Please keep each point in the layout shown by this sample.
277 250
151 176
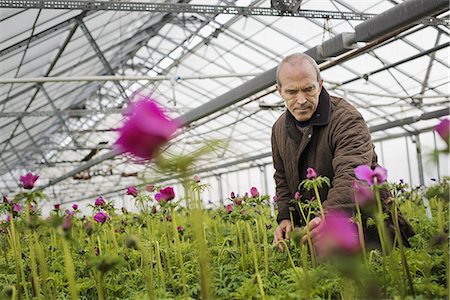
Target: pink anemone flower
28 180
311 173
254 192
132 190
337 234
145 130
443 129
364 172
101 217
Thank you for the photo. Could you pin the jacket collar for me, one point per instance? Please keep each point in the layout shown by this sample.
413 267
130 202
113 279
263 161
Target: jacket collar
320 117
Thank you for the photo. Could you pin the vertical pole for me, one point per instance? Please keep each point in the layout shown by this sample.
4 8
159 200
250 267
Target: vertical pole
437 157
421 177
409 161
219 183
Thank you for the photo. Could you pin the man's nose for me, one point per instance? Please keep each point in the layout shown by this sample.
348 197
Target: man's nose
301 99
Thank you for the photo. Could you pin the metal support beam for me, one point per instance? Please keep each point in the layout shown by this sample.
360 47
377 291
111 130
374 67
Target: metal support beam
398 17
180 8
423 53
122 78
100 55
410 120
58 115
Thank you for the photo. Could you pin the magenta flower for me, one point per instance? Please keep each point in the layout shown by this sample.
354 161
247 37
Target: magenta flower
275 198
237 201
145 130
99 201
245 195
17 207
363 193
158 197
311 173
57 206
132 190
101 217
28 180
254 192
229 208
75 206
197 178
364 172
180 229
443 129
69 213
167 193
337 233
297 196
169 218
232 195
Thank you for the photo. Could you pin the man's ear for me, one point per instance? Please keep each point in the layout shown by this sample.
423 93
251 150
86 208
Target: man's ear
278 87
320 84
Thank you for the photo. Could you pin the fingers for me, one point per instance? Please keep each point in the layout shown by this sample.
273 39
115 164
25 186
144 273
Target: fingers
281 233
312 230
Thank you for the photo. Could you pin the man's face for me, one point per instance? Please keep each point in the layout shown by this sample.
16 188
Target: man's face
299 88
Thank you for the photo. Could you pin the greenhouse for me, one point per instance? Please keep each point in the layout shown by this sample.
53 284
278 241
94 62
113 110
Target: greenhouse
224 149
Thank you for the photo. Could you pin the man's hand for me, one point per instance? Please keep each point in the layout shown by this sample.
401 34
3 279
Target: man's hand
313 228
282 233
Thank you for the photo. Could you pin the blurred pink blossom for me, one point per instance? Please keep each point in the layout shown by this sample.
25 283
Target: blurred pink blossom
364 172
145 130
337 234
443 129
17 207
363 193
229 208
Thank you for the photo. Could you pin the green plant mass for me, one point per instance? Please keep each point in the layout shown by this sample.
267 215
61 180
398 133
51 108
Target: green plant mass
179 252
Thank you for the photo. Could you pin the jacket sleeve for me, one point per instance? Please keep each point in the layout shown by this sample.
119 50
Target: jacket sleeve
281 186
352 146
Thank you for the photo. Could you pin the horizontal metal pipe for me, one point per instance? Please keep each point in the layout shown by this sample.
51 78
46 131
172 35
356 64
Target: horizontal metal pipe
120 78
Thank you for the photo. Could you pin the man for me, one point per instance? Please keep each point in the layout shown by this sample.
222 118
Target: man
318 131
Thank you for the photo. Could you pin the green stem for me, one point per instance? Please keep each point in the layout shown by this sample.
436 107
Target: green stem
265 247
160 267
241 245
179 254
70 272
43 266
402 250
316 192
361 234
34 275
255 261
310 245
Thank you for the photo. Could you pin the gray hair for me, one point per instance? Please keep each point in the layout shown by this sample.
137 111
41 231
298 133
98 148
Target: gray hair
298 57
